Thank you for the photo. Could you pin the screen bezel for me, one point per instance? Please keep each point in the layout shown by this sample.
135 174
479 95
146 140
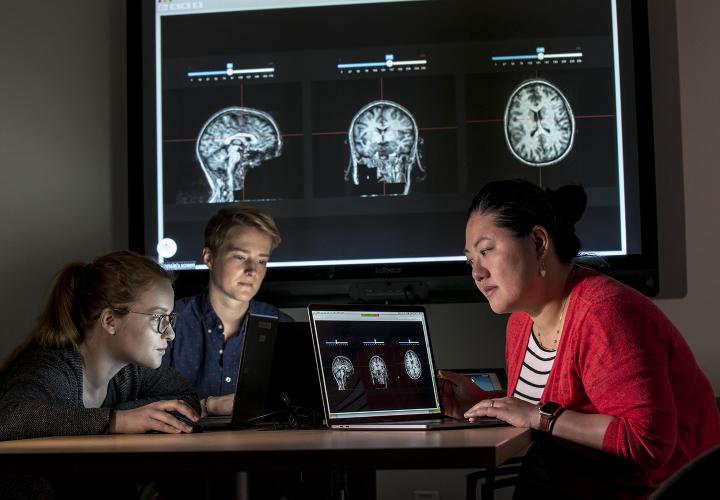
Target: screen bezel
372 416
403 282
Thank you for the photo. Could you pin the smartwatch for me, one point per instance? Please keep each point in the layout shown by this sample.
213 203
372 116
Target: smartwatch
548 412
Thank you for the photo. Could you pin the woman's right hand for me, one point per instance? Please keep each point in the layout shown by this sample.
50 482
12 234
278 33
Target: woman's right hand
458 393
155 416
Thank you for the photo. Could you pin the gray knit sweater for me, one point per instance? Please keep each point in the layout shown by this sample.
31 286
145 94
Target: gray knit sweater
41 394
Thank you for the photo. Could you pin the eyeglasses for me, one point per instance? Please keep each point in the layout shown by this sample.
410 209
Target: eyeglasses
163 320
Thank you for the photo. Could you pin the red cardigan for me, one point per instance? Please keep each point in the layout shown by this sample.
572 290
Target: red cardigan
619 355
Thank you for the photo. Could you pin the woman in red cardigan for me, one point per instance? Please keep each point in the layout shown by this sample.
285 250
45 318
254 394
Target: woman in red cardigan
610 384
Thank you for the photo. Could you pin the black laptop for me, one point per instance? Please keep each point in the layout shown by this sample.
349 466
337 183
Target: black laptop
293 395
253 379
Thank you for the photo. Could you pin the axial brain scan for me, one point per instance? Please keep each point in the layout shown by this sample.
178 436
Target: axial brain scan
412 365
378 371
232 141
539 123
342 368
384 136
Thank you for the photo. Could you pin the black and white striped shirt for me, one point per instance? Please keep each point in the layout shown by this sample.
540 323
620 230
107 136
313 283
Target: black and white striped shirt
535 371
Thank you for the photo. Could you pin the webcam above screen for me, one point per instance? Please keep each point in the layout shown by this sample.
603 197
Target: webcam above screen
368 144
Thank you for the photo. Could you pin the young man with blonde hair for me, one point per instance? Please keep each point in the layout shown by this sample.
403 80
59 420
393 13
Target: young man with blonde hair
211 325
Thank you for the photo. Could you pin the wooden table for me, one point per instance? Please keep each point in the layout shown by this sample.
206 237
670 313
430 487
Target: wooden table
268 450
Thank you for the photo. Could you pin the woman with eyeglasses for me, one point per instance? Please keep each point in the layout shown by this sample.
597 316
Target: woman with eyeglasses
93 362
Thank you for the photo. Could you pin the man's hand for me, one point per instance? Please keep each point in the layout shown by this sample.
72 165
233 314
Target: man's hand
220 405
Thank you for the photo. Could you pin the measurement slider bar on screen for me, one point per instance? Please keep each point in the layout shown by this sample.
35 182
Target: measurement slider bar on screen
389 62
230 71
539 55
337 342
409 342
373 342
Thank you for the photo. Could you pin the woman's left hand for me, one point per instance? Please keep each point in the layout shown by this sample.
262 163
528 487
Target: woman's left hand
514 411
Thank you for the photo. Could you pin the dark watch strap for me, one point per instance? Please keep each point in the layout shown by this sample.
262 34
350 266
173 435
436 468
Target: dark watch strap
548 413
555 418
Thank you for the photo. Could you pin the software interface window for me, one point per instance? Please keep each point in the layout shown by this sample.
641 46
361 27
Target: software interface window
367 132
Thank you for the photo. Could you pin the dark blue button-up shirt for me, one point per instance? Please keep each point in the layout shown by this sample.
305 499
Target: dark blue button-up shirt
200 352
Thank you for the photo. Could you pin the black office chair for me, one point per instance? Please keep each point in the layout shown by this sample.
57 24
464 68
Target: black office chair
696 479
507 474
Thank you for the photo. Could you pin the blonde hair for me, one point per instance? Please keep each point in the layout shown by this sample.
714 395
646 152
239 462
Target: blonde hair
227 218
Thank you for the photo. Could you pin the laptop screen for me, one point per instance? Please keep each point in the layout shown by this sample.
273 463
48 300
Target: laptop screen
374 361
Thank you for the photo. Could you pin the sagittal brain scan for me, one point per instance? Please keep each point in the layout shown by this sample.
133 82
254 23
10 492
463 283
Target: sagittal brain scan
232 141
342 368
378 371
412 365
539 123
384 136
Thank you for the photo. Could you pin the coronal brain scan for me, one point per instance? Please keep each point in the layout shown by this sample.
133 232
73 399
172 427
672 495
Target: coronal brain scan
378 371
232 141
412 365
384 136
342 368
539 123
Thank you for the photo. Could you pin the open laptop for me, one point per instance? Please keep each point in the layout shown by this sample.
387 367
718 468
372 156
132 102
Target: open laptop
376 368
293 381
253 378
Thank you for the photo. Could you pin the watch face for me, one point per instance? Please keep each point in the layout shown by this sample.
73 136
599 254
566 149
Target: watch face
550 408
539 123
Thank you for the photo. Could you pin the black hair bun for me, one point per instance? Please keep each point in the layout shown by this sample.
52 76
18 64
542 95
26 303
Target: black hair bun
568 202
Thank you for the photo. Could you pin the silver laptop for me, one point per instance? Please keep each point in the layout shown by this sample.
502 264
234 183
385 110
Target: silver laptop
376 368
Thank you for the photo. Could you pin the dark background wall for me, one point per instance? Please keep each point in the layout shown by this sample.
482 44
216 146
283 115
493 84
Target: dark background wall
63 194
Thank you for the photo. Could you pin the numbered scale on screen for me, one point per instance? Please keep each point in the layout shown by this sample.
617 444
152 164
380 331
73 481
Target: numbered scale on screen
540 57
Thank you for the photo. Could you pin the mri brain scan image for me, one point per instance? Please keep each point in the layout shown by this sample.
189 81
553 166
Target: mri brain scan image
342 368
412 365
539 123
378 371
384 136
232 141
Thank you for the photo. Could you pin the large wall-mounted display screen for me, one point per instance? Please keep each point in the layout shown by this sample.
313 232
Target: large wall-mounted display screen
365 128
